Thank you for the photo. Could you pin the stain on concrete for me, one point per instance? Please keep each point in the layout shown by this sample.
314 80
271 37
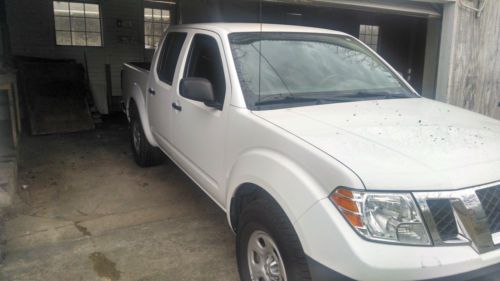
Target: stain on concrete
82 213
82 229
104 267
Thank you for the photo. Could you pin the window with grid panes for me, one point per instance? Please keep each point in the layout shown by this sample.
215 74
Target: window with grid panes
77 23
369 35
156 21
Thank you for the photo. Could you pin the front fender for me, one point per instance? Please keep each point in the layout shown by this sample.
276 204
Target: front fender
293 188
138 96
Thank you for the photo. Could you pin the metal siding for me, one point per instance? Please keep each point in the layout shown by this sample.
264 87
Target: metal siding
31 26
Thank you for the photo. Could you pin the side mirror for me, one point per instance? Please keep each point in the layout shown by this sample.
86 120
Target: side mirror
199 89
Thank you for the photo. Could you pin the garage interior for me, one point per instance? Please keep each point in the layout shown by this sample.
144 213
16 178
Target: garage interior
80 207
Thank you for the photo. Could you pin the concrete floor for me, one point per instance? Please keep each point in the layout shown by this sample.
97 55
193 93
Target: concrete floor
87 212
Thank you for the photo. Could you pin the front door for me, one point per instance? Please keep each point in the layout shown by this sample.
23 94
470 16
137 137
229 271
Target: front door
199 130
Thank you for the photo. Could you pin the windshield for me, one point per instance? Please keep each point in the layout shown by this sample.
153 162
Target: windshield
298 69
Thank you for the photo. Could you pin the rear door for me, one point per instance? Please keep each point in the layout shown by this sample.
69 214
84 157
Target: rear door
160 93
198 130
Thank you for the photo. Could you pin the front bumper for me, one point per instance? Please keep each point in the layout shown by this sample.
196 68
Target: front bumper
320 272
335 249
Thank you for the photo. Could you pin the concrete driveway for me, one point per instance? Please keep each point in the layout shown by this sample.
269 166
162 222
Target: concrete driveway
87 212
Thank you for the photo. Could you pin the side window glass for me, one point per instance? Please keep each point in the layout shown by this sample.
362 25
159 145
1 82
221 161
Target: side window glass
169 56
205 62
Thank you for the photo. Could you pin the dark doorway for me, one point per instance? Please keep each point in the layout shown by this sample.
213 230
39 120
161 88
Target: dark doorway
400 38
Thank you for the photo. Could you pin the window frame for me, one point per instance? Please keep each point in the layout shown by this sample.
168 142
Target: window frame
153 7
164 53
369 28
187 62
70 31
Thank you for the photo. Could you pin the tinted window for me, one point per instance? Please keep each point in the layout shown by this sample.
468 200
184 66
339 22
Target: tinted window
205 62
169 55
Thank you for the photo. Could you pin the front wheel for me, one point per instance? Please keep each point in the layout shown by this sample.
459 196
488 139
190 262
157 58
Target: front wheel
268 248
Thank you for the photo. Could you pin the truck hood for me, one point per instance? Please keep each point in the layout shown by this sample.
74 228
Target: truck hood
400 144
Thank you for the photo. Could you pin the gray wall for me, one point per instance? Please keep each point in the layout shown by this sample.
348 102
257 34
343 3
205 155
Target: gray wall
469 74
31 25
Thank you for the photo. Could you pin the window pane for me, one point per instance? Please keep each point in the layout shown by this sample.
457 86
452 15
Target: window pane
92 10
148 28
77 24
76 9
93 25
148 14
206 62
156 15
158 31
148 42
334 56
369 35
156 41
362 29
165 16
63 38
156 22
62 23
61 8
78 38
94 39
170 55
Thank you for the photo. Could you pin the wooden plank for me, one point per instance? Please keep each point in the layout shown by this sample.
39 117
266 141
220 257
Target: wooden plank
475 74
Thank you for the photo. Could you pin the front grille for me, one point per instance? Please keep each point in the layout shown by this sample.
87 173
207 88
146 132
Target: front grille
443 216
469 216
490 199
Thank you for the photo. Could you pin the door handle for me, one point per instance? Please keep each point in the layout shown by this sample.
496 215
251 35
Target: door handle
151 91
176 106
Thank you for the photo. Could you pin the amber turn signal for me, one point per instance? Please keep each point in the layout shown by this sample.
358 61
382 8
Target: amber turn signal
344 199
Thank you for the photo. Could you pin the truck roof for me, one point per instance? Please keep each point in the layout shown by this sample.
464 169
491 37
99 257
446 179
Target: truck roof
253 27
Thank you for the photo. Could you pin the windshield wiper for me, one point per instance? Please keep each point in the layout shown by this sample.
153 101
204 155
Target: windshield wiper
284 99
372 94
323 99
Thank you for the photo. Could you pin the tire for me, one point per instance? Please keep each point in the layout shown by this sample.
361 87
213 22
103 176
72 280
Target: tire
264 217
145 155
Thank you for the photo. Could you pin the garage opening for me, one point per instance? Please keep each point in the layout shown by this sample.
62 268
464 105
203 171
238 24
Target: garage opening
84 204
404 34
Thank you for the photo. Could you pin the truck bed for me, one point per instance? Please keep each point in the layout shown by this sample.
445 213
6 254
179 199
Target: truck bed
135 77
145 65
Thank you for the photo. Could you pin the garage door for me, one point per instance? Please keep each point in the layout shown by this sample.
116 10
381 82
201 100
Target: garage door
420 8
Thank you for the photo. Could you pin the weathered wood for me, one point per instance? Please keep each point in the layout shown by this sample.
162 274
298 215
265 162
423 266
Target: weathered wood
475 76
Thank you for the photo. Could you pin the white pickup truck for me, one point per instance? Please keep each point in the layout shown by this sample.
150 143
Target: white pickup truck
328 164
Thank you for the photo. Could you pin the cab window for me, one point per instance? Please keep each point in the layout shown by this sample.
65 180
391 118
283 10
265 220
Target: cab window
169 55
205 62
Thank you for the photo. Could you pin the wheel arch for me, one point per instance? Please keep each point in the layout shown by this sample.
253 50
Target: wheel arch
137 98
254 175
245 194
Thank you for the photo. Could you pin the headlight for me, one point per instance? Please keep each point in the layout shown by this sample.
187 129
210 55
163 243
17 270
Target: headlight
380 216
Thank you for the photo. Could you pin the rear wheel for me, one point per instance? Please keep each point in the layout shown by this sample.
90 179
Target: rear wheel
145 155
268 248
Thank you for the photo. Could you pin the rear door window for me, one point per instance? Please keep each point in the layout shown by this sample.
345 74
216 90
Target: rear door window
170 55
